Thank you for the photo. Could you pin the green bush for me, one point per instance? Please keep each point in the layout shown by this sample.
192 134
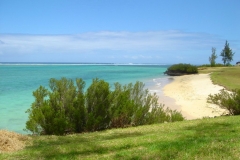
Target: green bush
208 65
98 105
78 112
66 108
122 109
159 114
59 110
181 69
227 100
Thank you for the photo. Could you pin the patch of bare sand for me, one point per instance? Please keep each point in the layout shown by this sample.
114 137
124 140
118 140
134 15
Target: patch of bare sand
11 141
190 92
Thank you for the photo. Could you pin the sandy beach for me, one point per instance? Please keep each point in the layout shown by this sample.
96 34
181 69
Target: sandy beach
189 93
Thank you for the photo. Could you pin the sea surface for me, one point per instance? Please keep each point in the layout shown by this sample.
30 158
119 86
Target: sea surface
19 80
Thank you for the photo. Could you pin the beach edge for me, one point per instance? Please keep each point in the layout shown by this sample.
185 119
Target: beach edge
190 92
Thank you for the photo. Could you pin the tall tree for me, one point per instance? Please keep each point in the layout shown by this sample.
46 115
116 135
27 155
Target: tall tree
213 57
227 54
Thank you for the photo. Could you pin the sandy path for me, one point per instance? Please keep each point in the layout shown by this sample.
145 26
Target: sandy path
190 92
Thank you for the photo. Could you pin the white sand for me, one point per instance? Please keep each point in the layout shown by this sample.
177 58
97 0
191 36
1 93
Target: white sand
190 93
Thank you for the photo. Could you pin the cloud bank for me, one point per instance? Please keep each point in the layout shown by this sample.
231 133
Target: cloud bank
127 45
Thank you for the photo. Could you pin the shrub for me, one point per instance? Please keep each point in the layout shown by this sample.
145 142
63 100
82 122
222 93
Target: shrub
160 114
133 106
122 108
226 100
181 69
78 112
208 65
98 105
141 103
66 108
63 110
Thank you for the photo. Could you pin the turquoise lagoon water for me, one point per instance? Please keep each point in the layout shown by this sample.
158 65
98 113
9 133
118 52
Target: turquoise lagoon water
18 81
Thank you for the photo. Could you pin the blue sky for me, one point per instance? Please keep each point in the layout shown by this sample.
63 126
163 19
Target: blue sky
118 31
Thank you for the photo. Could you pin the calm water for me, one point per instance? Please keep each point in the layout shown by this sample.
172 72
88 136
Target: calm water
18 81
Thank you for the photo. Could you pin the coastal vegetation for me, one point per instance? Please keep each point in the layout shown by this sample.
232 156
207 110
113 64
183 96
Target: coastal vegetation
227 100
66 108
213 57
227 54
229 78
181 69
214 138
209 65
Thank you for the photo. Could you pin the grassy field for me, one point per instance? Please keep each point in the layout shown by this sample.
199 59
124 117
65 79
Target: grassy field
216 138
229 77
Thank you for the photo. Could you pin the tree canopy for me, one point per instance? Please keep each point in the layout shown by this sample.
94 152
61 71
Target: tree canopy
213 57
227 54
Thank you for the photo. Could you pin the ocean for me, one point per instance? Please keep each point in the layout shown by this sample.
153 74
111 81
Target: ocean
19 80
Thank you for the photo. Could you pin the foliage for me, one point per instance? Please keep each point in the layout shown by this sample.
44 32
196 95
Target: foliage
209 65
227 100
66 108
130 104
213 57
180 69
78 110
98 105
160 115
227 54
63 110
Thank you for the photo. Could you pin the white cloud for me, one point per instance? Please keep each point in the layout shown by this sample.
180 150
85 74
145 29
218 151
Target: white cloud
115 41
107 46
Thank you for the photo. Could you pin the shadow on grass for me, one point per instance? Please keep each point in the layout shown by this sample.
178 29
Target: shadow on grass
205 139
61 147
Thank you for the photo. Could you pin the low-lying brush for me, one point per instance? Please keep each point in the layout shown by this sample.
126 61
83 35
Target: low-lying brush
209 65
227 100
181 69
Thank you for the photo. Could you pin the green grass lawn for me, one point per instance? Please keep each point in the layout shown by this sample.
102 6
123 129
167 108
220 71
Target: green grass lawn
216 138
228 77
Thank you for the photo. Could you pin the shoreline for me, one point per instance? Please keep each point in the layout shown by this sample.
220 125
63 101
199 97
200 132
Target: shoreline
189 93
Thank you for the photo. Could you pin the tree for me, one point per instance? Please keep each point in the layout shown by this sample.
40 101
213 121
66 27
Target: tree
227 54
213 57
